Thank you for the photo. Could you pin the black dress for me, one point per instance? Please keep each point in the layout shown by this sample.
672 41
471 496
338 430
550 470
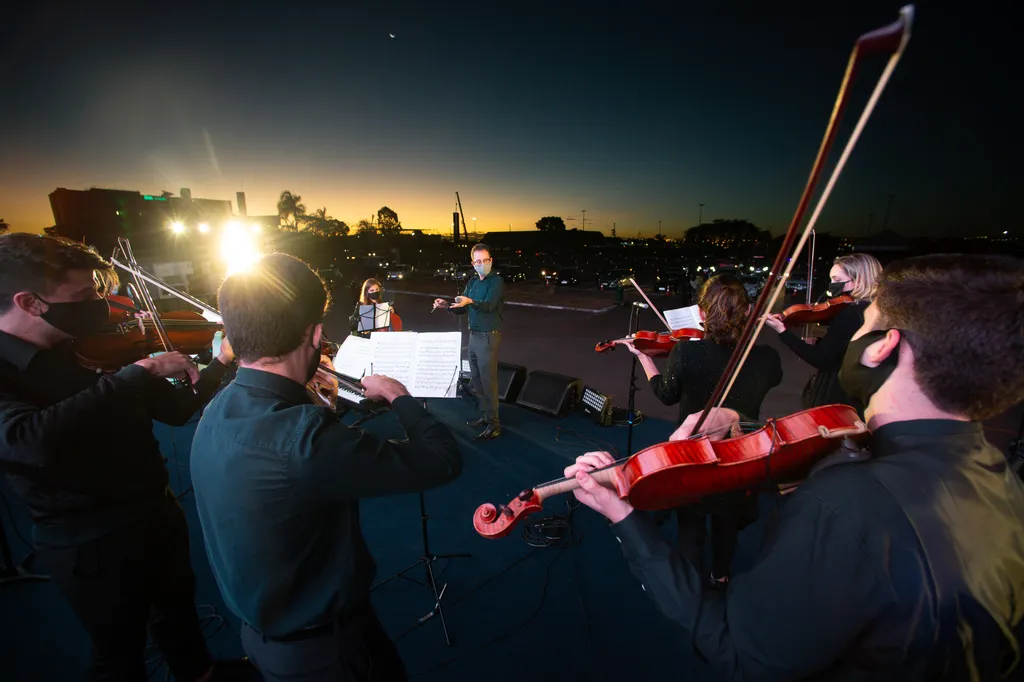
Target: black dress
827 357
693 370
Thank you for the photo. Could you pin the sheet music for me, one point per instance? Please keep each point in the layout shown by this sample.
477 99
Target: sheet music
684 318
377 316
354 356
394 355
438 357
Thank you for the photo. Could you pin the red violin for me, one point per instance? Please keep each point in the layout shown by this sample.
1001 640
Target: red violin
655 344
822 313
682 472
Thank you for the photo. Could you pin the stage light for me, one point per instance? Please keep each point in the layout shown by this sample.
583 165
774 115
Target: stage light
177 227
204 228
238 250
255 228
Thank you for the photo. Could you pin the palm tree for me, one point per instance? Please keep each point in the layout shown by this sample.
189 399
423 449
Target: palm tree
319 222
289 206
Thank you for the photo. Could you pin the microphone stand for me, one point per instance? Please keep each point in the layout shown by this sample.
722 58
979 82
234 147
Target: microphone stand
634 324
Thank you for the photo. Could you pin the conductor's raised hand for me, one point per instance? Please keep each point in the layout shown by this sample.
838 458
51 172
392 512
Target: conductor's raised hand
440 303
591 493
174 365
380 387
462 301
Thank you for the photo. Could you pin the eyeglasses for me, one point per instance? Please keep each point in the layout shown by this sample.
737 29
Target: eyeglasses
481 262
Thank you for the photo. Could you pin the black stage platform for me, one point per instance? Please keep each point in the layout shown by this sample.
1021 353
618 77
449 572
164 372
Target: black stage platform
513 610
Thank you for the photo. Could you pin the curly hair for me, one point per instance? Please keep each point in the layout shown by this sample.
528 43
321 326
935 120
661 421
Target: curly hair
963 317
36 262
723 298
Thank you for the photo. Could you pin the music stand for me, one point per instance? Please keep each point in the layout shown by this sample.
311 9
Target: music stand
374 317
427 559
634 323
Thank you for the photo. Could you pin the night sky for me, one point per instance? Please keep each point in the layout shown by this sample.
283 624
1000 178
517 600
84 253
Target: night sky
636 112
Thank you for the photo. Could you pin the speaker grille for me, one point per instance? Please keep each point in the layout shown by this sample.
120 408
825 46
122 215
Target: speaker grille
554 394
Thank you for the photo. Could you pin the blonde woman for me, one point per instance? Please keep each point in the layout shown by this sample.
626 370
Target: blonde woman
853 275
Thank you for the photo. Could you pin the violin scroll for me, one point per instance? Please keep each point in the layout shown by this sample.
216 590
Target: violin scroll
496 522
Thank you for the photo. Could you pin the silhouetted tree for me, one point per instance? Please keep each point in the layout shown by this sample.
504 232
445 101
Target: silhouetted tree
732 232
4 227
387 221
551 224
365 227
290 210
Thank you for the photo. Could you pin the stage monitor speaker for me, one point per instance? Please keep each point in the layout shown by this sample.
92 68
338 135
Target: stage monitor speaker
554 394
596 406
510 381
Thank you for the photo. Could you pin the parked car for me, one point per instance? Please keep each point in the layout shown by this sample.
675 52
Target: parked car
399 271
611 278
512 273
566 277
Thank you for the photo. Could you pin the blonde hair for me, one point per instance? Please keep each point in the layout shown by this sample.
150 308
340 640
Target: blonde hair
864 270
363 298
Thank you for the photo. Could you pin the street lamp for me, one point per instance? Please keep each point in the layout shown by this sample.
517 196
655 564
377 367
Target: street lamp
700 216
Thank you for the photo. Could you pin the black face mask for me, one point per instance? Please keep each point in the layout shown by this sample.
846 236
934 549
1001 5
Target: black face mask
375 296
77 318
836 289
858 380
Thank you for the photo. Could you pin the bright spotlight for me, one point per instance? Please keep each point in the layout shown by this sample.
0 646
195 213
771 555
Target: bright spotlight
204 228
237 250
177 227
255 228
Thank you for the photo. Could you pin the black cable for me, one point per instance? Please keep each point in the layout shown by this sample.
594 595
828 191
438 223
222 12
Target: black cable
516 628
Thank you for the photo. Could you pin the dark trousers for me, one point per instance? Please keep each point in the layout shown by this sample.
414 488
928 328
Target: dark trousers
357 649
120 583
483 365
729 514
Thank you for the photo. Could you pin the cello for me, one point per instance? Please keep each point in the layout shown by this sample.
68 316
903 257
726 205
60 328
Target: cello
666 475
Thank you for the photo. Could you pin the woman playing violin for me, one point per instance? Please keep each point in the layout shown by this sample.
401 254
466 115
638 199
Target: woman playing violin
693 369
855 275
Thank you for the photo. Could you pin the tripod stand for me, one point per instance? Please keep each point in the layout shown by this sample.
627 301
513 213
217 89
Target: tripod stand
428 560
634 324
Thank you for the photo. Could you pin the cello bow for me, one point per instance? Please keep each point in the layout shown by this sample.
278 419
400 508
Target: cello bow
891 40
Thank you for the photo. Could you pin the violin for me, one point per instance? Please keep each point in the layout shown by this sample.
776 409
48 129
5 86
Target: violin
655 344
322 389
128 339
671 474
822 313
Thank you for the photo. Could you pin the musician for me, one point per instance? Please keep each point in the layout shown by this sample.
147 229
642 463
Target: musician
855 275
78 448
907 566
278 481
484 298
371 293
691 374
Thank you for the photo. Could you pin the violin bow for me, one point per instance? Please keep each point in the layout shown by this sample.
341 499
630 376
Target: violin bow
653 307
891 40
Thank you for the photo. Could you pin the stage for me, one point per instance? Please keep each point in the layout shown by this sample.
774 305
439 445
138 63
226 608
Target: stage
512 610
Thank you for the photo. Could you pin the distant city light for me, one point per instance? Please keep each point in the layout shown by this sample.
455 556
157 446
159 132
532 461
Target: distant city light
204 228
177 227
1006 232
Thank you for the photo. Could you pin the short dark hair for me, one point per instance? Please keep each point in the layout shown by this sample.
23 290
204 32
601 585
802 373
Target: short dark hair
480 247
723 298
40 263
268 308
963 316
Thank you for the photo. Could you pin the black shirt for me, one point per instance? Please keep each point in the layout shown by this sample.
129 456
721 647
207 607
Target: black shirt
277 483
78 446
694 368
908 566
827 357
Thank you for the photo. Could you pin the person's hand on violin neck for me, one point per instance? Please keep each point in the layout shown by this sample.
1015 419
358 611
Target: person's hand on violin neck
173 365
775 322
591 493
380 387
721 423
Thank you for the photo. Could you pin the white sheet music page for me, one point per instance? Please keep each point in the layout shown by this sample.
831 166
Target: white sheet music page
438 356
394 355
684 318
353 358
